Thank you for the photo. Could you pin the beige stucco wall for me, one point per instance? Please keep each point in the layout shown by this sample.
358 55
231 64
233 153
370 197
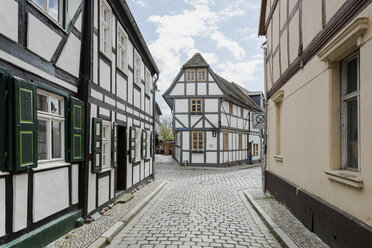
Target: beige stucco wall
309 129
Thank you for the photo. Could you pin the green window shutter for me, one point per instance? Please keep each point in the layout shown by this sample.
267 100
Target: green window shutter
114 142
96 145
25 124
132 144
152 144
76 130
144 144
3 85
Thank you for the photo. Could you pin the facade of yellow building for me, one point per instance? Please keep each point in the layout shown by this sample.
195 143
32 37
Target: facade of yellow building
319 114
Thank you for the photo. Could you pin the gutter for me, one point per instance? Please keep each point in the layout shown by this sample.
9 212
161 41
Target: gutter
155 88
264 147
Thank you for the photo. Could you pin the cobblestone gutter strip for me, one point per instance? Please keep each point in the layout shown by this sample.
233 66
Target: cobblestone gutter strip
106 237
284 239
88 233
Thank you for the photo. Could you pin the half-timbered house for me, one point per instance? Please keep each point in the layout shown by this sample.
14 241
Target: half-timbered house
318 58
211 116
77 96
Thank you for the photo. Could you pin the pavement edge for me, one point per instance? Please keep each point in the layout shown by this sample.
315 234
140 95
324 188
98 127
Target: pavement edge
110 233
283 238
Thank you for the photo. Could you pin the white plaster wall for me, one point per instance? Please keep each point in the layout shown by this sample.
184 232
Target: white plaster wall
130 54
184 119
113 72
211 157
104 75
91 191
213 119
197 157
75 183
224 119
211 142
9 19
104 111
2 207
234 122
194 119
182 77
20 189
103 190
214 89
210 78
137 98
136 175
78 22
112 184
69 60
51 193
95 59
202 88
185 141
190 89
73 6
129 173
147 169
185 157
211 105
95 4
179 89
181 105
41 39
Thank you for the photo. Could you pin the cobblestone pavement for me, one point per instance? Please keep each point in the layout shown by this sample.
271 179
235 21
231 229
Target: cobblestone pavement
199 208
83 236
286 221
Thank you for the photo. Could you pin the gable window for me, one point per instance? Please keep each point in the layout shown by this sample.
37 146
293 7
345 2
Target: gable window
105 28
190 75
106 145
201 73
53 8
122 50
196 105
197 141
226 141
350 113
137 69
51 126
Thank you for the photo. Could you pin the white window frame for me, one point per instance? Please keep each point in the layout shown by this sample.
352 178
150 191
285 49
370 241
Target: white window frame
137 68
148 82
45 9
343 104
106 145
122 50
49 117
105 40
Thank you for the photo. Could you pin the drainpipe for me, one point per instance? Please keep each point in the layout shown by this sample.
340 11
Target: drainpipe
264 147
249 130
155 88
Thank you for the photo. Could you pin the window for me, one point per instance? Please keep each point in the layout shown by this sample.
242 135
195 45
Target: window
148 82
240 142
196 105
226 141
54 8
106 145
242 112
137 69
190 77
197 141
122 50
255 150
350 112
105 28
202 74
231 107
51 126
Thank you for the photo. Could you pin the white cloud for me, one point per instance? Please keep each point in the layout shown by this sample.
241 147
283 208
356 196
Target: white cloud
232 46
141 2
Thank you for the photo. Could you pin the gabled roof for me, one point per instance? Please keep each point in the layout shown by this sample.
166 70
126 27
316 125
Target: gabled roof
157 108
196 61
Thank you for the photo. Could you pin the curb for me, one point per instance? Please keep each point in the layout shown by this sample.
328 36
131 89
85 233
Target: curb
110 233
283 238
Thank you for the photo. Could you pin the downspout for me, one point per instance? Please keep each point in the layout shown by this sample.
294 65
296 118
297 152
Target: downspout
155 88
264 163
249 130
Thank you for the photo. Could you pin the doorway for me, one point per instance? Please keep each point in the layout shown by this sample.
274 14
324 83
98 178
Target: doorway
121 170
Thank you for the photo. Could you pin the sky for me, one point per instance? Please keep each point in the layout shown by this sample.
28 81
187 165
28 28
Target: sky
223 31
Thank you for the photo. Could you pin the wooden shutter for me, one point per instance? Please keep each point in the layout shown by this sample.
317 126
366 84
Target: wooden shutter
132 144
97 145
24 131
114 146
3 84
76 130
152 144
144 144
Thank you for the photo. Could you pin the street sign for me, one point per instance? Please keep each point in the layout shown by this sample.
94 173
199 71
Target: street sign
259 120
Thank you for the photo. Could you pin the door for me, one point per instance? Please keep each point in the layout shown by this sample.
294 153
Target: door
121 170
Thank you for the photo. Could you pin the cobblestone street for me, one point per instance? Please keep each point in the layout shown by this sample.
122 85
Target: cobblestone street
199 207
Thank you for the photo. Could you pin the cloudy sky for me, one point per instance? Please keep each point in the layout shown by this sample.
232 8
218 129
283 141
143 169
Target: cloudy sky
223 31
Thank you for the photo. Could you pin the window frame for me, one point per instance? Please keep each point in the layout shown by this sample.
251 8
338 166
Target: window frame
122 64
105 49
50 117
240 141
45 10
196 105
137 69
231 108
225 141
106 141
201 75
198 140
148 82
344 98
190 75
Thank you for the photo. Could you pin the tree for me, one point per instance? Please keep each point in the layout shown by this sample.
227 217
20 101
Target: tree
166 130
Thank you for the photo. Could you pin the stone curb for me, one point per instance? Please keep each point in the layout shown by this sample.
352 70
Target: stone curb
110 233
283 238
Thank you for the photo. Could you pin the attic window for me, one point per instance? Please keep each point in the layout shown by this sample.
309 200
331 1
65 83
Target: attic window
201 74
190 75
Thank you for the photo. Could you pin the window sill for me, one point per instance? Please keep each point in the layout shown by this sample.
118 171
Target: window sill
196 113
351 178
197 151
50 165
278 158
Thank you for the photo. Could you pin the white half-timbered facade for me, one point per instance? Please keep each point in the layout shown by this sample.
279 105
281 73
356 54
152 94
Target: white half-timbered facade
211 116
77 85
